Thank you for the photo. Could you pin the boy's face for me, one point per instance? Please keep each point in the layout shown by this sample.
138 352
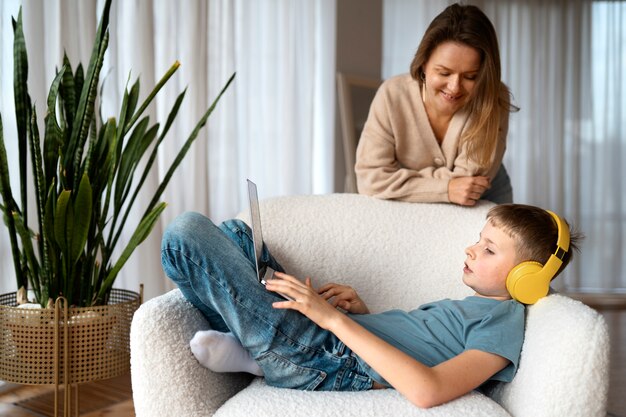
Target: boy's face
488 263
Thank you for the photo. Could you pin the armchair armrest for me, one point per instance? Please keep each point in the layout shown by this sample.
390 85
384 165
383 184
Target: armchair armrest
564 364
166 378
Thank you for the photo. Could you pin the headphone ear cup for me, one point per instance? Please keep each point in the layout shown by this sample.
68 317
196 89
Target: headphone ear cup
525 283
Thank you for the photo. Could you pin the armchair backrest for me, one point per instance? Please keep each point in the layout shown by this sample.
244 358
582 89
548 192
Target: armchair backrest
395 254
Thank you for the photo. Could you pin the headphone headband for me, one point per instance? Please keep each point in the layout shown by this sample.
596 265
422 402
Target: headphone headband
563 237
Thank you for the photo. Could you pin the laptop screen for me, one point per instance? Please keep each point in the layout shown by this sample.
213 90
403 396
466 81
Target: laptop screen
255 220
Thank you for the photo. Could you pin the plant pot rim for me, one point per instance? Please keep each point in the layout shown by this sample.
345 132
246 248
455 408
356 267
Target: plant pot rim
118 295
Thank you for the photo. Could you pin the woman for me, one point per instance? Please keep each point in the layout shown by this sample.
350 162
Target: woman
438 134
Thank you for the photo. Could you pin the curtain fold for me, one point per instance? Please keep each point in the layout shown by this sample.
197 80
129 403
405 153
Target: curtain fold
603 171
566 149
275 124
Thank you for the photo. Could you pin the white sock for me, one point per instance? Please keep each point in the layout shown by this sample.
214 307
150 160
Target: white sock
222 352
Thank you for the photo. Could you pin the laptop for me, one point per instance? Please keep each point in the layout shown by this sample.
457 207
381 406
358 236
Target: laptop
264 272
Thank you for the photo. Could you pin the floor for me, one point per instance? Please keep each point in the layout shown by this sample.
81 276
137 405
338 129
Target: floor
112 397
115 397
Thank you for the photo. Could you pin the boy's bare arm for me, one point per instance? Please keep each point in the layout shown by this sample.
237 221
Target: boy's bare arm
420 384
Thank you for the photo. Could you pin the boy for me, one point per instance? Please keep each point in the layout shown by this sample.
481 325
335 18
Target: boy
432 355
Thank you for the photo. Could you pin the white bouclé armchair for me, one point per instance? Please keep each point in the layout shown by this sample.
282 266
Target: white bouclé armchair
397 255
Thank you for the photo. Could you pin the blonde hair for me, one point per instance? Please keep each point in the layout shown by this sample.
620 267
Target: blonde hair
468 25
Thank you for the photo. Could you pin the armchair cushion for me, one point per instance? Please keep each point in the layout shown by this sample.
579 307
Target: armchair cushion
260 399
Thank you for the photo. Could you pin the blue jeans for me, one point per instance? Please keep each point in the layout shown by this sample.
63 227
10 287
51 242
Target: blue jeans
214 269
501 191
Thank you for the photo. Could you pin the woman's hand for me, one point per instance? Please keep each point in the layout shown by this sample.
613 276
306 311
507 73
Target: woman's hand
343 297
465 191
306 300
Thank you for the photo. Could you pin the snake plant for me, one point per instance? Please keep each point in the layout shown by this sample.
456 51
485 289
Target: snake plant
84 177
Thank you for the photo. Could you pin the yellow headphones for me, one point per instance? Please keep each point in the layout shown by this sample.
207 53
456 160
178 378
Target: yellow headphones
529 281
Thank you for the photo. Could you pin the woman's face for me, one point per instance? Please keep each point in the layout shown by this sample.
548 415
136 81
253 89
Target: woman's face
450 76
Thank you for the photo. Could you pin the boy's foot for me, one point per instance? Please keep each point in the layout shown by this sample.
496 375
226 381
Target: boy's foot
222 352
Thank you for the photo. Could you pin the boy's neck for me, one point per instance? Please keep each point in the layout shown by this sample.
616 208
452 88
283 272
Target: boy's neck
493 297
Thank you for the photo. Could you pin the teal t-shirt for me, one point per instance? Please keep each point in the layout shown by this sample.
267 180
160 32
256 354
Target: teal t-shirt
436 332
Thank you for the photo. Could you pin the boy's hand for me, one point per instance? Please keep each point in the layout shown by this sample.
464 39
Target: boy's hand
306 300
343 297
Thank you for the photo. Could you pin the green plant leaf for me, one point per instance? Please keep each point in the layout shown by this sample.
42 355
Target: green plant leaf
82 211
148 100
53 138
22 102
85 112
181 154
9 208
133 99
141 233
5 178
126 99
63 219
68 93
93 135
129 159
144 175
172 115
109 153
101 166
170 120
29 253
49 211
50 264
40 185
79 82
142 143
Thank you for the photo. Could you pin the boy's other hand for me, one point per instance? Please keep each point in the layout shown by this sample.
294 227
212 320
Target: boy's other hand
344 297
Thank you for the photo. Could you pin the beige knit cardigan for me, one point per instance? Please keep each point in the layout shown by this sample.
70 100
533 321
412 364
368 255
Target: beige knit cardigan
398 156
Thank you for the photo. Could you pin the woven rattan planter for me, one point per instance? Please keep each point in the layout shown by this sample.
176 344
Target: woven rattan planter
66 346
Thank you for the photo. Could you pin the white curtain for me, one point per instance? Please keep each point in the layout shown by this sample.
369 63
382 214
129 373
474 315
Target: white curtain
275 124
564 62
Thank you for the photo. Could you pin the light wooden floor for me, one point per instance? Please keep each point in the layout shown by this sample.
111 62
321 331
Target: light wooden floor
30 401
616 320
